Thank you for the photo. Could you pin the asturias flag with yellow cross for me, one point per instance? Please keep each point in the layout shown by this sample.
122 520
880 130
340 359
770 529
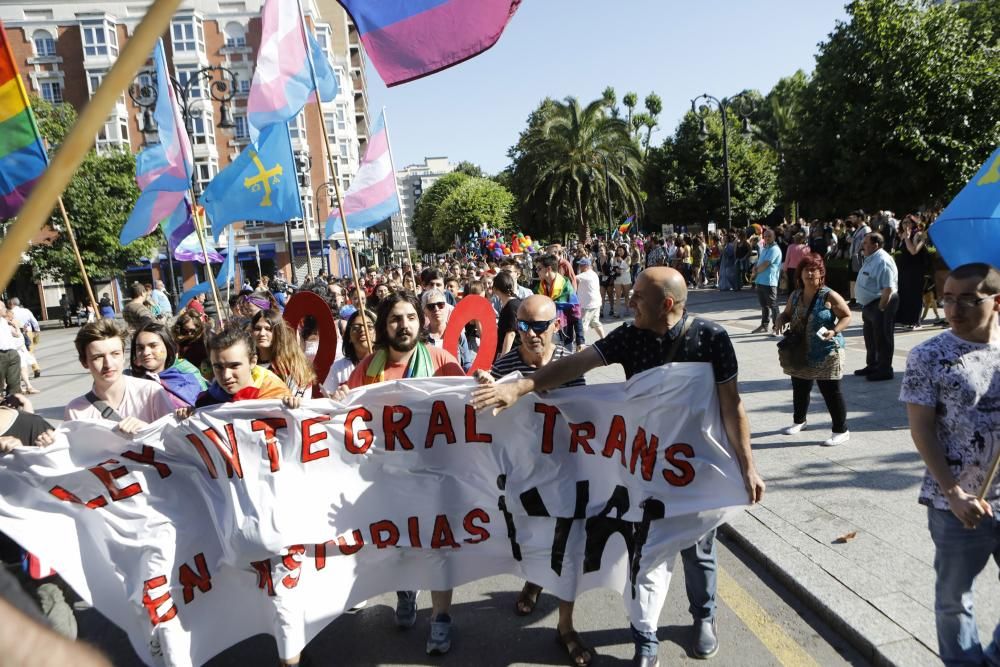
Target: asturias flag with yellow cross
260 184
968 230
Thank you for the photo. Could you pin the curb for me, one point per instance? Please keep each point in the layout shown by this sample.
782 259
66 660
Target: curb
823 597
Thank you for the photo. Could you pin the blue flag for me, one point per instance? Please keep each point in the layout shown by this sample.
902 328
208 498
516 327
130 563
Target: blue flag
968 230
260 184
221 280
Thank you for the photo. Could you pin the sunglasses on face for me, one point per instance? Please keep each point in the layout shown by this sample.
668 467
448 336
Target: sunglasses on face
539 327
439 305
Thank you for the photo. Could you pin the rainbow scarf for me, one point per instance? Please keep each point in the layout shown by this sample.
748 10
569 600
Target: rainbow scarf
420 365
22 153
561 290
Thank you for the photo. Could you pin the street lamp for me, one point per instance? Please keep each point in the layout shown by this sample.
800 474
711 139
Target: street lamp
319 222
220 83
744 106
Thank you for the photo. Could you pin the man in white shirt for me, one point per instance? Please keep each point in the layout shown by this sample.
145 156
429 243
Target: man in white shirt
29 325
134 403
159 296
10 360
589 293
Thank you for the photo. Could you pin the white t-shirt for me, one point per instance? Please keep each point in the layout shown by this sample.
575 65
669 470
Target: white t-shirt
339 372
143 399
588 289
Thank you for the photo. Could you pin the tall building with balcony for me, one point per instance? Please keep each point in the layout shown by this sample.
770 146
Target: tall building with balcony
413 180
64 48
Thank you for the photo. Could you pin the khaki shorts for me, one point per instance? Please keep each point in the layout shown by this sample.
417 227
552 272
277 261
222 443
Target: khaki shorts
591 318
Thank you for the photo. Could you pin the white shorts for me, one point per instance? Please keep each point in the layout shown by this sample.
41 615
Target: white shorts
591 318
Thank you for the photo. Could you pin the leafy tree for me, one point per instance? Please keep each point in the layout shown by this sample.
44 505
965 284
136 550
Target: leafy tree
685 178
611 99
899 111
560 163
477 203
98 201
427 206
776 123
54 120
630 100
469 169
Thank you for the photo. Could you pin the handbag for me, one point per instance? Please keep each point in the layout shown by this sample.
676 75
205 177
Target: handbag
792 348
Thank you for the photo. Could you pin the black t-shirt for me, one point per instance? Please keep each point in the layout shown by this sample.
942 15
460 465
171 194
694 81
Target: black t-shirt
507 322
638 349
26 427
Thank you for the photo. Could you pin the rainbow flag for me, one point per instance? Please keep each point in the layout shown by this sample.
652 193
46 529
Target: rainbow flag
22 153
624 227
408 40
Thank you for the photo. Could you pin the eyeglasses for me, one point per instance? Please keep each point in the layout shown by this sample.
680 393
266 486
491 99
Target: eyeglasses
439 305
539 327
357 328
965 301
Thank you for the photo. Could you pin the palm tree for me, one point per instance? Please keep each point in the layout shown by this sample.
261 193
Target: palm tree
630 100
564 156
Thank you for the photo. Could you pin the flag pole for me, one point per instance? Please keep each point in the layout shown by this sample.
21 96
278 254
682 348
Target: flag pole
208 264
50 185
336 180
399 199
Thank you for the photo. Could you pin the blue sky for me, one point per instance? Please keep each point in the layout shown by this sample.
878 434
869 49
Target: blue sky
676 48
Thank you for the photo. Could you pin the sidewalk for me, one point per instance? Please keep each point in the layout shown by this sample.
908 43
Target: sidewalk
878 588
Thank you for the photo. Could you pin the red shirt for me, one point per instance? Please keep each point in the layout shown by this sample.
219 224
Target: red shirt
444 365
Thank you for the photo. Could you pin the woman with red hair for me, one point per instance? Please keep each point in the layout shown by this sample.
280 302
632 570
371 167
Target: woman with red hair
813 346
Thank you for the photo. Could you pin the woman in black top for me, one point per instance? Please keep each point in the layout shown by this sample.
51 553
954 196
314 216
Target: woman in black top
505 290
911 260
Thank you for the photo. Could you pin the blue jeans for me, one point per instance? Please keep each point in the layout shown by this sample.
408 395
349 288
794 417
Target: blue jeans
960 555
700 581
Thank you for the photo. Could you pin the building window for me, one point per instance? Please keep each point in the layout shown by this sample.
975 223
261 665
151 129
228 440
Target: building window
297 128
339 73
204 173
44 44
242 130
188 35
236 35
323 39
100 39
341 119
186 73
243 85
203 129
113 134
330 123
52 92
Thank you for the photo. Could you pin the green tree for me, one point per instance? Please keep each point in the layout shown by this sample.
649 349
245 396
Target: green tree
611 99
630 100
776 123
560 163
900 111
54 120
477 203
685 179
427 206
98 201
469 169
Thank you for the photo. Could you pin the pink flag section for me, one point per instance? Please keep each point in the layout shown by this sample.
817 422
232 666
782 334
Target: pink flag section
281 64
372 197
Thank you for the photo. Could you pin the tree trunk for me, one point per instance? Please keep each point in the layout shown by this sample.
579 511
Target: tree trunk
584 227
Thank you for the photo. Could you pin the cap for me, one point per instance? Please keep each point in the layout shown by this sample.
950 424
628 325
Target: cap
583 261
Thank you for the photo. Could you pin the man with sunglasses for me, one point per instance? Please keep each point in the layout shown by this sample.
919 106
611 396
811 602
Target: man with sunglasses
658 301
536 327
952 393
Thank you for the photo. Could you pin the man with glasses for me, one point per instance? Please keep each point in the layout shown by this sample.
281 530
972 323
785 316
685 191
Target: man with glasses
437 312
536 327
952 393
877 291
661 332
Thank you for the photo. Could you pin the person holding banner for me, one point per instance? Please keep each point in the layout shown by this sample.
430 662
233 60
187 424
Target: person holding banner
359 332
401 351
536 326
154 357
662 332
278 351
233 354
951 389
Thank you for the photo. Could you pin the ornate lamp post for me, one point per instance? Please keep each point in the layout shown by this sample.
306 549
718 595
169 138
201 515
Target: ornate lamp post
744 106
208 84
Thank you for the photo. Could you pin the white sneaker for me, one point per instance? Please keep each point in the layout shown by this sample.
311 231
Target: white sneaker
837 439
793 429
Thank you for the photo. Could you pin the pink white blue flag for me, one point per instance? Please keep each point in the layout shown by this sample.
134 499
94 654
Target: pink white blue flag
372 196
408 39
282 81
163 170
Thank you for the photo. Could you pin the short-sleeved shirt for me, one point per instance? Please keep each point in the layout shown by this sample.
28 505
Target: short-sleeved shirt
26 427
877 273
142 399
772 273
638 349
961 381
339 373
512 361
443 362
588 289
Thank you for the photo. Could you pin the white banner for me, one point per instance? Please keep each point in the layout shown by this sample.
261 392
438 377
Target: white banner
251 518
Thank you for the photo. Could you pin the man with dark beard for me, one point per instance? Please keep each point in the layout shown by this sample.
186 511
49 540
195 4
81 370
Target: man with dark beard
401 351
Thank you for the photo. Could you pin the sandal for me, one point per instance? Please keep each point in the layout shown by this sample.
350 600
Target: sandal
575 648
527 599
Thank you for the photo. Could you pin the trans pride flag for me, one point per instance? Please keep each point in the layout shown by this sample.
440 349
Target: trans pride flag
406 40
968 230
22 153
372 197
163 170
282 81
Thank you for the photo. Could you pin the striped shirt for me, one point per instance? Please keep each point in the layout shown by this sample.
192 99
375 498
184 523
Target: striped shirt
512 361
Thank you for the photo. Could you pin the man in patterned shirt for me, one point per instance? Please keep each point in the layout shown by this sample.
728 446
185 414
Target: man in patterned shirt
658 300
952 395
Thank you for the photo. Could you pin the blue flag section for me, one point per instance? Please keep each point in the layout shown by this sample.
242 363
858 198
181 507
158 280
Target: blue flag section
968 230
260 184
221 280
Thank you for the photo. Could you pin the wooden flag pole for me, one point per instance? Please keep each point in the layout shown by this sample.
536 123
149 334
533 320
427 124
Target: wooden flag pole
336 183
989 476
208 265
79 259
44 195
399 198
